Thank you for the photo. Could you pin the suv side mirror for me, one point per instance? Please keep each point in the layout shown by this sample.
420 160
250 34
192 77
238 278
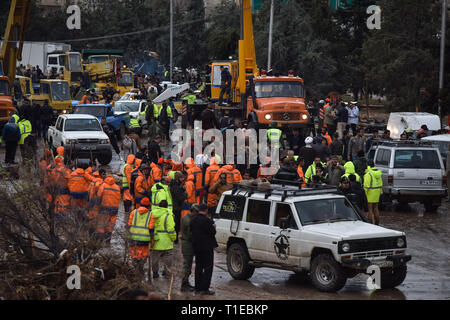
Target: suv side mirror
284 223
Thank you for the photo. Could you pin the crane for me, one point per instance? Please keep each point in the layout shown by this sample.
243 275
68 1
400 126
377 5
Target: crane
11 52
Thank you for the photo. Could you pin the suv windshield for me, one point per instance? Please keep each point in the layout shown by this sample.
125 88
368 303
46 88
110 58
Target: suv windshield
4 88
417 159
268 89
60 91
128 106
82 125
325 211
94 111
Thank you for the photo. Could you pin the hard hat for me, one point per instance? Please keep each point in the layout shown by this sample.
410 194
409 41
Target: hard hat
322 101
328 100
195 207
309 140
354 102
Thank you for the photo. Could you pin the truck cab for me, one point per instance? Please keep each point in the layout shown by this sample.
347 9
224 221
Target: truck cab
119 121
279 99
57 93
6 105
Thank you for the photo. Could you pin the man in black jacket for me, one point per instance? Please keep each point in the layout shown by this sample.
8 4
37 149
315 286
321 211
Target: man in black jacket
288 171
179 195
203 241
154 151
355 194
225 84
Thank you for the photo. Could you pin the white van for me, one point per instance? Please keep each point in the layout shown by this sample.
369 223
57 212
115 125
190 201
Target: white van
441 141
400 121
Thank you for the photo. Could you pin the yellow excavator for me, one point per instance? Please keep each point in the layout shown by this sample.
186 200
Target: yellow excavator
11 52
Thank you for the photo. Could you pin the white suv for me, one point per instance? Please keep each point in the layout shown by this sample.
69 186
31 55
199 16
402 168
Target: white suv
315 231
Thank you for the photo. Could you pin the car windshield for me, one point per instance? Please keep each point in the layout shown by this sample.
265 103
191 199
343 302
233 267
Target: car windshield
417 159
126 80
4 88
93 111
82 125
127 106
325 211
268 89
60 91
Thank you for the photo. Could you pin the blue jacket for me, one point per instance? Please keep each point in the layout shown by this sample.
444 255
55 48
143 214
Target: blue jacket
11 131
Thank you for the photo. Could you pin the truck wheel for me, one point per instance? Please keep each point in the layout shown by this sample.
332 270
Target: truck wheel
105 158
237 262
391 278
326 274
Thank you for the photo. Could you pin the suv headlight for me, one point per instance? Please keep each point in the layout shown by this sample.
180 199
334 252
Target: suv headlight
345 247
104 141
400 242
268 116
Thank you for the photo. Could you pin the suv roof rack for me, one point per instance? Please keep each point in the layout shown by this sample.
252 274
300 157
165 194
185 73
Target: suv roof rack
280 189
407 143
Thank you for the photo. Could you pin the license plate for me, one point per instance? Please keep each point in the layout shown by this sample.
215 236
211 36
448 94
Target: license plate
429 182
383 264
87 148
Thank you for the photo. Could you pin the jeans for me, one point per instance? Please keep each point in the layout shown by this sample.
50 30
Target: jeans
204 263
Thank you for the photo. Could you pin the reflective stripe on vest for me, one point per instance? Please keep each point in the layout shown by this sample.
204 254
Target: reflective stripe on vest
165 227
139 231
125 184
134 123
371 182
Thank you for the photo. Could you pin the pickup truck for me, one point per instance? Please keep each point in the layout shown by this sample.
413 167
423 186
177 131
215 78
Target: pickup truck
134 108
119 121
81 136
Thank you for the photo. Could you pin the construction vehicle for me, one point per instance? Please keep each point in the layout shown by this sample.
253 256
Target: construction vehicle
105 67
57 92
23 88
261 99
11 52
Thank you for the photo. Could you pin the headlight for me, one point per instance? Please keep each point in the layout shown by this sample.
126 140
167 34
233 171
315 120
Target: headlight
64 111
104 141
400 242
345 247
268 116
304 117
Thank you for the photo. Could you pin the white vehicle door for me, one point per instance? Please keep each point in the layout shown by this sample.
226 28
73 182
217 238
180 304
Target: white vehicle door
382 163
256 228
142 106
58 138
285 245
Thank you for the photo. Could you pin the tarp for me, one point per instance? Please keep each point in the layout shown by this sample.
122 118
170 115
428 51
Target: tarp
400 121
171 92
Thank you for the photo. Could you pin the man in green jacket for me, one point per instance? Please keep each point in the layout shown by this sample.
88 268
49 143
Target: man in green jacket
163 238
186 247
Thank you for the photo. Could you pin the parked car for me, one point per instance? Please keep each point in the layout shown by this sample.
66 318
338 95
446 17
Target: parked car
81 136
441 141
412 171
316 232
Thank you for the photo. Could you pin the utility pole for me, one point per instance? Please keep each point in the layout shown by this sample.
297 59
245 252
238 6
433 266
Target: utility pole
441 67
269 54
171 40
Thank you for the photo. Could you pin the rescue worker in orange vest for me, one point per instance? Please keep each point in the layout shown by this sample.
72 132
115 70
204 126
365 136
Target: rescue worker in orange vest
197 173
60 153
166 167
46 165
142 186
109 195
267 171
126 182
78 185
191 198
94 200
60 176
139 234
301 163
233 175
210 173
156 173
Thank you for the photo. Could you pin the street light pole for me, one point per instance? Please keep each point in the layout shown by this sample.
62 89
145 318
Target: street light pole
269 54
441 67
171 40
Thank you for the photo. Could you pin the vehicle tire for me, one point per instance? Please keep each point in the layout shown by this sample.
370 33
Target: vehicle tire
430 207
393 277
326 274
237 262
105 158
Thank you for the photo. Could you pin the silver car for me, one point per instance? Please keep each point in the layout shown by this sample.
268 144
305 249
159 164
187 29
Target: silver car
412 171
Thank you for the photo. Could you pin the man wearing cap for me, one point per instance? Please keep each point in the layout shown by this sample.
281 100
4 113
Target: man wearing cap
308 153
139 234
186 247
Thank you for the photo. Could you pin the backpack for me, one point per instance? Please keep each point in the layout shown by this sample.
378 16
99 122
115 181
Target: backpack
134 175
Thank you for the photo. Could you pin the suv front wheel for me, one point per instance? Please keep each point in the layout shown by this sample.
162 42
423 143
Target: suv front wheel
326 274
237 262
391 278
